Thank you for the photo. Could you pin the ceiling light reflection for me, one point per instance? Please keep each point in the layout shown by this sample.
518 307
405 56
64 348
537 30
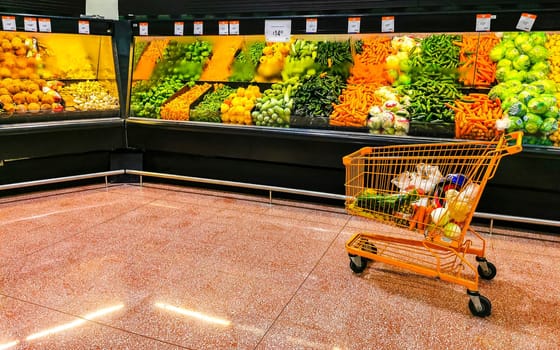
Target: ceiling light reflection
9 345
75 323
194 314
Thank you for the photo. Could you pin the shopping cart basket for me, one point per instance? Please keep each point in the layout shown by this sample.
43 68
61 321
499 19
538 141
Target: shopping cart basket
426 195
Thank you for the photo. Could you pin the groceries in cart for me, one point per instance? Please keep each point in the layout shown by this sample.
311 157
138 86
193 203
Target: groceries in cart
426 201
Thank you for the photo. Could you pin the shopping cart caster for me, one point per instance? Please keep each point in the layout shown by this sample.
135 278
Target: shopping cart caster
479 304
357 263
486 270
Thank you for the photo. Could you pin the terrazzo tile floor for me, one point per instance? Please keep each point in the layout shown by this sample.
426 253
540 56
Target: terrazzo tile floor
170 267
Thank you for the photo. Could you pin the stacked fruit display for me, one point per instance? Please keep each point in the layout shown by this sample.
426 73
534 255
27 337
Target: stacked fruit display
20 96
246 62
89 96
236 109
274 108
301 60
398 64
272 61
433 75
529 107
182 63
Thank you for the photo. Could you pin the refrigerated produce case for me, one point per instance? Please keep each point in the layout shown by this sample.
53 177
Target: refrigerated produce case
303 156
60 103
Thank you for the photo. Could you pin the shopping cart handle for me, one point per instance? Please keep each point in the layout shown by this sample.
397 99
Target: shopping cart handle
513 142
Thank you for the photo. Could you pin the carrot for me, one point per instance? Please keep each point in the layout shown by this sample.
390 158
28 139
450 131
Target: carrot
147 63
427 217
476 119
476 67
420 218
179 107
223 54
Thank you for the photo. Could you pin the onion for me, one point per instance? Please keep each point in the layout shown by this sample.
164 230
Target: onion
440 216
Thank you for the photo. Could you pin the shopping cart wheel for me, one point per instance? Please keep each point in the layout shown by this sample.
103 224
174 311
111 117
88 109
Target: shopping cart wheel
479 304
486 270
357 263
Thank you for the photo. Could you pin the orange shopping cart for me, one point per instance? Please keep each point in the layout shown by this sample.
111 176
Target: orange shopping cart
426 194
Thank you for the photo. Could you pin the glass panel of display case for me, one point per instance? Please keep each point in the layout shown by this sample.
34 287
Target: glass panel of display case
52 76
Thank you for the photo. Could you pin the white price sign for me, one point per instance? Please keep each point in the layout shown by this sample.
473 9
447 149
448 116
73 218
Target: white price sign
223 27
30 24
526 22
178 28
233 27
388 24
483 22
278 30
198 28
353 25
45 25
9 22
83 27
311 25
143 28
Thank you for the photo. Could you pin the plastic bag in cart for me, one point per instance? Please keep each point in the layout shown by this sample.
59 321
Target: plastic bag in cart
425 178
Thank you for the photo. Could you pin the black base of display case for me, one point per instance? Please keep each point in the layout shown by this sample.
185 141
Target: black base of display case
311 160
38 151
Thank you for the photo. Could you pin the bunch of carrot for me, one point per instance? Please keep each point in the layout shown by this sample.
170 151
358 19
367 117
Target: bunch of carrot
149 59
179 107
475 66
421 218
355 102
366 76
223 54
475 117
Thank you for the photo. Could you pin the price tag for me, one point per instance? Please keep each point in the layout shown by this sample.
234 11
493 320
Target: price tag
353 25
233 27
45 25
30 24
83 27
198 28
278 30
9 22
223 27
143 28
178 28
526 22
311 25
388 24
483 22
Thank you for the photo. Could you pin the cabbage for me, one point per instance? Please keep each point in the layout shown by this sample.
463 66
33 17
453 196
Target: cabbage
534 75
548 126
505 63
545 86
522 62
497 53
538 53
516 124
552 112
538 105
497 91
532 123
501 74
522 38
525 96
517 109
512 53
526 47
541 66
538 38
549 99
515 75
509 101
